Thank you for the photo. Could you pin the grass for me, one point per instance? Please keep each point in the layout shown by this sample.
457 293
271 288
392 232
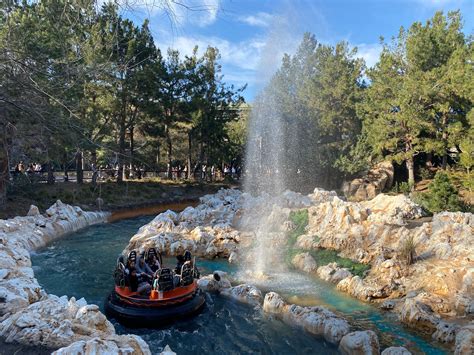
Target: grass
322 256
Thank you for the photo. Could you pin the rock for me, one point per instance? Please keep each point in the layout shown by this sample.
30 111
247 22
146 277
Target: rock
418 315
118 344
333 273
396 350
465 340
233 258
55 322
359 343
33 211
167 351
315 320
445 332
244 293
319 196
213 283
378 179
388 304
397 205
304 262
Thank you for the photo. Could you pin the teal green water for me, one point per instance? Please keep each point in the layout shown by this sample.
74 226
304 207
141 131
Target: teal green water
82 263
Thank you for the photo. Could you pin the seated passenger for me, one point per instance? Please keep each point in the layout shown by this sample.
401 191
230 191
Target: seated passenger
143 268
189 259
179 265
153 263
137 281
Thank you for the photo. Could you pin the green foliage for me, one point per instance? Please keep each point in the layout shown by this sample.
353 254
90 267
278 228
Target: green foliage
300 219
420 92
402 188
322 256
315 91
441 195
326 256
425 173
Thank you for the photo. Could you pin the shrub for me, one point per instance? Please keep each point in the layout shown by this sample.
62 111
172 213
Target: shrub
408 250
300 219
326 256
441 195
403 187
426 173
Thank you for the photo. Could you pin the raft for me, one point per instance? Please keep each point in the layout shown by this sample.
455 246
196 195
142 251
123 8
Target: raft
156 310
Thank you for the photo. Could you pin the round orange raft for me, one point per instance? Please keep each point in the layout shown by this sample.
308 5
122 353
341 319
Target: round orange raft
155 310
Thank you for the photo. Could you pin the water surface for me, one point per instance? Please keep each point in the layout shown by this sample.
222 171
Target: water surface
81 265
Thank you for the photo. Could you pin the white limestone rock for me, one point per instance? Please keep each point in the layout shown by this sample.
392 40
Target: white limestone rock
333 273
167 351
244 293
33 211
465 340
396 350
215 282
304 262
117 344
315 320
360 343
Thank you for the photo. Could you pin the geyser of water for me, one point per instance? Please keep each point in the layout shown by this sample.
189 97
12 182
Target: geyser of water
265 158
274 161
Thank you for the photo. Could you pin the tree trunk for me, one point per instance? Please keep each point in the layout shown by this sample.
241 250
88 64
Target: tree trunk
169 151
121 154
79 169
4 173
444 163
411 171
50 173
189 155
132 146
95 171
429 160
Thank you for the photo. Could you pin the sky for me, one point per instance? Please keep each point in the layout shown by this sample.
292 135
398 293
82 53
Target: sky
253 35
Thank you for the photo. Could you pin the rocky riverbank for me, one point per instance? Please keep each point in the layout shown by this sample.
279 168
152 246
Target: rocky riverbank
432 290
28 315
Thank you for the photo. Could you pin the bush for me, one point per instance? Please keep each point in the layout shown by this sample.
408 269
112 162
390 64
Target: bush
300 219
326 256
426 174
403 188
441 195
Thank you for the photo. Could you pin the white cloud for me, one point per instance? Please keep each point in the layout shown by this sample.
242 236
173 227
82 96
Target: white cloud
370 52
244 55
261 19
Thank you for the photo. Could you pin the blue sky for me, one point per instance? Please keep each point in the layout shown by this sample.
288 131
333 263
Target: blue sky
252 35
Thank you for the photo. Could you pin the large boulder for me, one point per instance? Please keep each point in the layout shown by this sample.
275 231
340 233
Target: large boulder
244 293
304 262
360 343
117 344
56 322
378 179
215 282
315 320
396 350
465 340
333 273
